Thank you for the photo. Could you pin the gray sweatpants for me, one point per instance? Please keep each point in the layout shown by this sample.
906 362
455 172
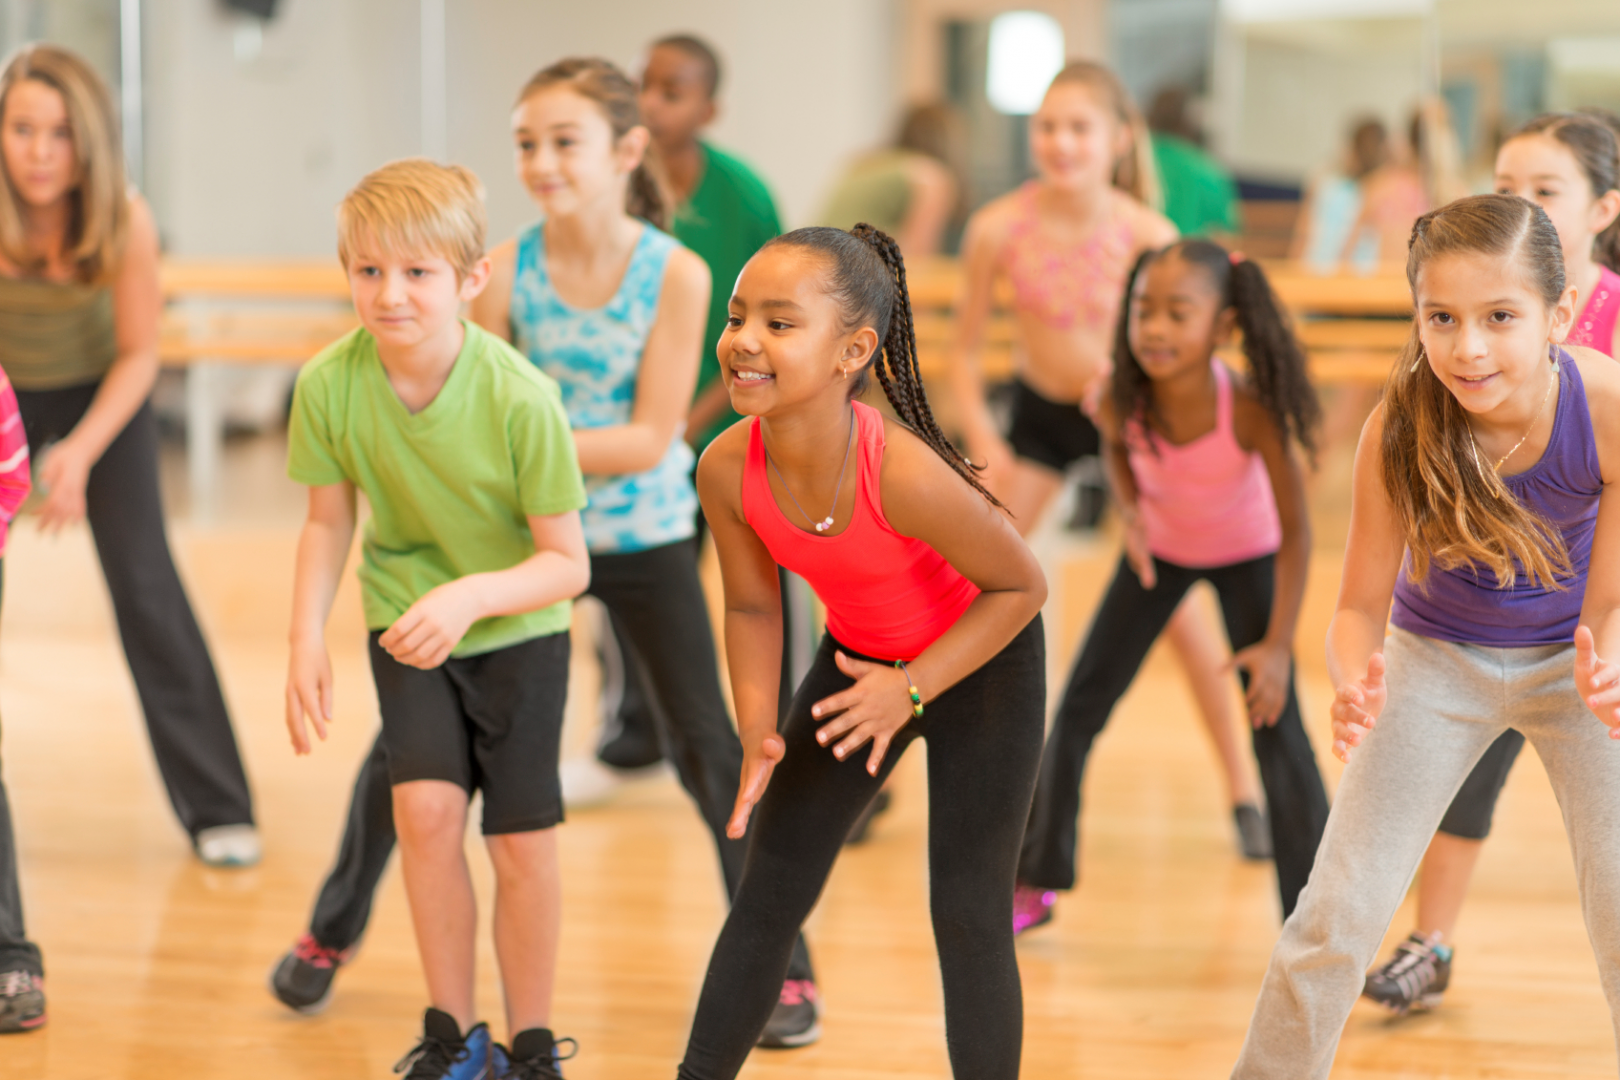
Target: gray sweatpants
1447 704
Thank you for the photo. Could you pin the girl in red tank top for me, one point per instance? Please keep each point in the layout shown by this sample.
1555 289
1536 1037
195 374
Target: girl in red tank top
934 632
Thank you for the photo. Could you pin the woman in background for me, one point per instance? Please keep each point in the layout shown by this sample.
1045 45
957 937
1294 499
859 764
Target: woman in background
912 189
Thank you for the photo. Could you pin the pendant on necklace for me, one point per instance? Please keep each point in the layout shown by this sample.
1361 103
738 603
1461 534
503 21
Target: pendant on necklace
823 526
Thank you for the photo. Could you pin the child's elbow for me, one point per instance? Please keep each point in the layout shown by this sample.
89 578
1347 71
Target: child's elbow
580 574
1036 591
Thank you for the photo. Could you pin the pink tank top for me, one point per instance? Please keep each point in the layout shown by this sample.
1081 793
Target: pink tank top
1067 286
1595 327
1207 503
887 596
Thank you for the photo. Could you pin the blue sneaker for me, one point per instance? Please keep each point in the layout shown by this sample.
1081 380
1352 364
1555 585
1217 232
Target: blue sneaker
535 1055
445 1053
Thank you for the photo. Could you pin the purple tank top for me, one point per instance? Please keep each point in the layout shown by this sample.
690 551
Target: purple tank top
1464 605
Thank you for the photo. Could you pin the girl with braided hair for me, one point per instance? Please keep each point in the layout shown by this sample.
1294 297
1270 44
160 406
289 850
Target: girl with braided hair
933 631
1210 488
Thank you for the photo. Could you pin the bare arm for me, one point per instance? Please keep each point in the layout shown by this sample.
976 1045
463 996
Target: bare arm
669 367
1117 463
933 196
710 405
323 548
137 310
1597 641
979 257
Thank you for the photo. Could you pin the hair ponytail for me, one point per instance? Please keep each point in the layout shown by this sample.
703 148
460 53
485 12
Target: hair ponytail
1453 508
1276 360
867 280
599 81
1135 173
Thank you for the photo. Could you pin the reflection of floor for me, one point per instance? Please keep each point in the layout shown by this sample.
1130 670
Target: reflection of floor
157 965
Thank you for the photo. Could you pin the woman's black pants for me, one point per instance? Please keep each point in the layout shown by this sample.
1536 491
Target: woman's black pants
984 745
655 596
1124 628
174 675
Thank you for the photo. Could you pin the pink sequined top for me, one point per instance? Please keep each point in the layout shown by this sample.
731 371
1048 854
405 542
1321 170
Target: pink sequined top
14 476
1595 326
1207 502
1067 286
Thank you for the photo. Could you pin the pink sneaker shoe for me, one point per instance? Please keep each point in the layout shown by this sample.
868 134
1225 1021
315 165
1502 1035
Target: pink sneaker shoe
1032 907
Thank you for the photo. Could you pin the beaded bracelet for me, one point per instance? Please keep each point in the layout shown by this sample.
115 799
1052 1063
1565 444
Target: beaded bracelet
916 695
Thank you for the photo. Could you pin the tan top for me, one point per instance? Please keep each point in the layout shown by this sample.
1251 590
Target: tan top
55 334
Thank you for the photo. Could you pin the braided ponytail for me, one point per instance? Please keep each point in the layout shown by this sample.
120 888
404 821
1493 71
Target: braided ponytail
868 282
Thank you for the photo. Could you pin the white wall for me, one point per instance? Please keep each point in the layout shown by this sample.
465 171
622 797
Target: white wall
247 157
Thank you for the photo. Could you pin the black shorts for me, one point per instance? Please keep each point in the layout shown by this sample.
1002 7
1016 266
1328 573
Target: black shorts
1470 813
491 722
1050 433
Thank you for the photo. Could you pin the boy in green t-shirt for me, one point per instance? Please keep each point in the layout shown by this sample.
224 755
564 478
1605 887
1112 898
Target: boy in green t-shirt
470 560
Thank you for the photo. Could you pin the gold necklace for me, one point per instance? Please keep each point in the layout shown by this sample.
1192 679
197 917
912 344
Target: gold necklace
1552 381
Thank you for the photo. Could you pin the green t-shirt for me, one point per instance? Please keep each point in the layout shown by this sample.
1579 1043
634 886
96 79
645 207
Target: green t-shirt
725 221
1199 195
876 190
451 487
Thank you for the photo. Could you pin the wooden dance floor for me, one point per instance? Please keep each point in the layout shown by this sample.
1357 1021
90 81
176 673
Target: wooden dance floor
157 966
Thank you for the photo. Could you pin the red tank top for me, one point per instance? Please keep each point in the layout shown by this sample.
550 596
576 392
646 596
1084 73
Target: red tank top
887 596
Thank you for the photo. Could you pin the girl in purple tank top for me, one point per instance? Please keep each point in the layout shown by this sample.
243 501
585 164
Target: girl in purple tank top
1569 164
1206 478
1478 484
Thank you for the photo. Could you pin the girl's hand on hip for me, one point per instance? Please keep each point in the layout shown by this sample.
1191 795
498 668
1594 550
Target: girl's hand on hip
1597 680
874 709
1356 706
431 627
1137 553
1271 668
64 474
759 761
309 692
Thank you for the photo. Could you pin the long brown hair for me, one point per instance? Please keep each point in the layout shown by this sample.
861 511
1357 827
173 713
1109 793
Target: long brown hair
1595 146
600 81
98 212
1134 173
1453 508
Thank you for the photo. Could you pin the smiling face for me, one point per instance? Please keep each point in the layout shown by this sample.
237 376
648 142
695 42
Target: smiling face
408 299
674 99
1176 317
1485 329
1075 139
785 342
36 141
1542 169
567 156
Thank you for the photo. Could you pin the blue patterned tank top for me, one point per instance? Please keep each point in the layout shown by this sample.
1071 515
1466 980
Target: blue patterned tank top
595 356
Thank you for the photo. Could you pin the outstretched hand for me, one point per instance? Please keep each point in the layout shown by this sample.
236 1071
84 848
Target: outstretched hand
1356 706
1597 680
758 764
873 710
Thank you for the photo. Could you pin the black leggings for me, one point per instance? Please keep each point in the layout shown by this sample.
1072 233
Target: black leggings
656 597
1124 628
984 745
174 675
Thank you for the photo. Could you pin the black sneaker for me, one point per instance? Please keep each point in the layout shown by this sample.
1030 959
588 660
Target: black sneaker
302 979
1254 832
861 831
1416 977
535 1055
22 1001
445 1053
796 1020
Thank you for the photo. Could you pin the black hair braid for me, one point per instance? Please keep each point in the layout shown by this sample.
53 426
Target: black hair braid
1131 388
897 369
1276 361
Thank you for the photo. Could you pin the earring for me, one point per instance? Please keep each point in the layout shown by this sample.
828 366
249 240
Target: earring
1552 353
1421 356
845 371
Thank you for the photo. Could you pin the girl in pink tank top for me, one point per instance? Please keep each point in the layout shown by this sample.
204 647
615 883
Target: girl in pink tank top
1211 489
933 631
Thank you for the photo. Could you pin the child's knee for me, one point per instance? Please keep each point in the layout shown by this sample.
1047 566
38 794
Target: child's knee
523 856
428 810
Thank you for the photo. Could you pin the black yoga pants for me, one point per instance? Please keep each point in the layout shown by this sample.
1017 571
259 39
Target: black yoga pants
984 746
1124 628
655 595
174 675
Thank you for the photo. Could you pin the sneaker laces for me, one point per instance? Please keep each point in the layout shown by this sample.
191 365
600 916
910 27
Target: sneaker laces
16 983
798 992
544 1067
314 953
1412 968
436 1055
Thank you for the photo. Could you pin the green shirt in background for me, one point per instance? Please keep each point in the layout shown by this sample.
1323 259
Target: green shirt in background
1199 195
876 190
451 487
726 220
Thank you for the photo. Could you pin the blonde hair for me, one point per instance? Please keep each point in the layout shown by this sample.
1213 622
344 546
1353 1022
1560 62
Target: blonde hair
98 212
599 81
1453 508
415 206
1134 173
